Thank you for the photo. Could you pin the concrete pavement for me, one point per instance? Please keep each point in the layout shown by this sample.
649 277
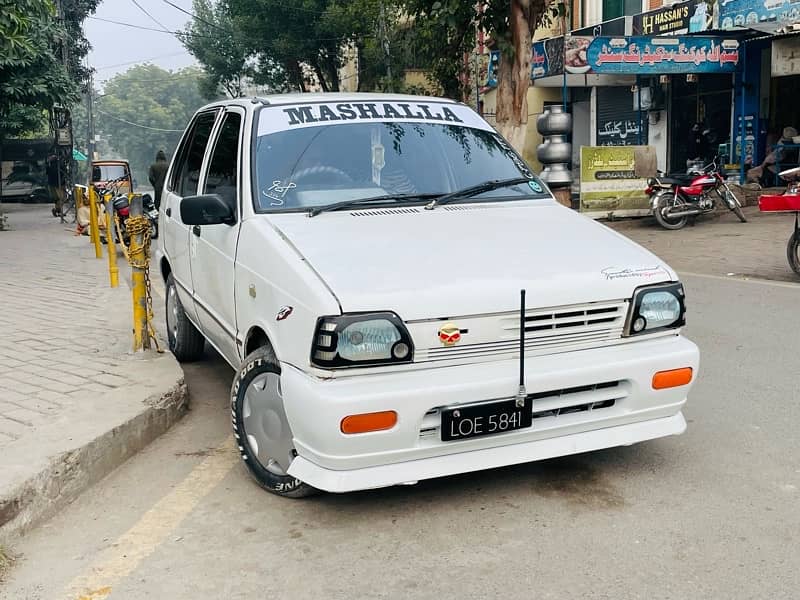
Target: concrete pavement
74 400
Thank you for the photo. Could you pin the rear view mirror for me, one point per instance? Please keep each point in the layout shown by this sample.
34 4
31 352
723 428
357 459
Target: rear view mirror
207 209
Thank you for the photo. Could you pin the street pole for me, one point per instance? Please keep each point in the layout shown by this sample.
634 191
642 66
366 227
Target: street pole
137 257
90 132
385 42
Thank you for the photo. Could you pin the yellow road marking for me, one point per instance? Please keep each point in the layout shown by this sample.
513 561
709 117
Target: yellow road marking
126 553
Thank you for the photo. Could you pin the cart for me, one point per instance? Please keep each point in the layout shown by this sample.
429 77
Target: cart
787 202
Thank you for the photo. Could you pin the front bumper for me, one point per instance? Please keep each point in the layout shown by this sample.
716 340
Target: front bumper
412 449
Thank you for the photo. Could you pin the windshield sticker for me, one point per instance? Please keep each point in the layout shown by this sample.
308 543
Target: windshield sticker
535 186
277 191
634 272
315 114
348 111
378 156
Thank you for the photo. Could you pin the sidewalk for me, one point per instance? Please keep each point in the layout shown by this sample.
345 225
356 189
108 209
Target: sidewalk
75 401
720 245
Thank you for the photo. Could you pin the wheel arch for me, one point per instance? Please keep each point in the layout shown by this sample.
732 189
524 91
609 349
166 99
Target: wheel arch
256 338
165 268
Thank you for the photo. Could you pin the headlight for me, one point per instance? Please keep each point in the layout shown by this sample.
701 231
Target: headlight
361 340
655 308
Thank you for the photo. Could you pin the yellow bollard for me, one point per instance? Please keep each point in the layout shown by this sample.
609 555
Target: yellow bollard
94 225
113 270
138 228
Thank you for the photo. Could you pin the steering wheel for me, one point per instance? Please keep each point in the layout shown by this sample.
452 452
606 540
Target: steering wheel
320 170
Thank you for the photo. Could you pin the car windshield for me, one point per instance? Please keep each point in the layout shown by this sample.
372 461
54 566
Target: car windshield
297 169
108 172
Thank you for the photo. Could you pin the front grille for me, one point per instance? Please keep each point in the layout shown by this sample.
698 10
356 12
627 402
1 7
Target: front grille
551 405
547 331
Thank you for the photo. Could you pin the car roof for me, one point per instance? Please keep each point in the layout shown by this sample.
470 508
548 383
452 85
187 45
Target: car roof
308 98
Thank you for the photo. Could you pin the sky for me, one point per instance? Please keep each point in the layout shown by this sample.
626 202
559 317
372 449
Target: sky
116 48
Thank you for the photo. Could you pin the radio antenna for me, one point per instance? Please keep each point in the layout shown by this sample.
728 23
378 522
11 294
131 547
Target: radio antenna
521 393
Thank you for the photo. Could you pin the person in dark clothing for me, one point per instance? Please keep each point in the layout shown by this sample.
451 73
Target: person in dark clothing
156 175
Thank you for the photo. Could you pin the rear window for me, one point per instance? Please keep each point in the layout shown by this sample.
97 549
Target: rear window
108 172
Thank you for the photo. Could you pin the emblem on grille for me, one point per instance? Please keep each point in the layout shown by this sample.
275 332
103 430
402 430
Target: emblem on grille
449 334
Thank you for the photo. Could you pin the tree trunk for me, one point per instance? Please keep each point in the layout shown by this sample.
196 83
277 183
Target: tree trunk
514 74
320 76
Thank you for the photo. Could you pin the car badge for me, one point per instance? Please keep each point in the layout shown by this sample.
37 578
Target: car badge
284 313
449 334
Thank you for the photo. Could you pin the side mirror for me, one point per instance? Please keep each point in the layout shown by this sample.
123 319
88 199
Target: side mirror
207 209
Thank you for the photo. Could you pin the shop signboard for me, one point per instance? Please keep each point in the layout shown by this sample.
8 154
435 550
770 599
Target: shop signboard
744 13
691 16
641 55
613 179
547 58
785 57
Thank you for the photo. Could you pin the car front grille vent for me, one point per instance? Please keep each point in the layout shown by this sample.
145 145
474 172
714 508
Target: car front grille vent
383 212
467 207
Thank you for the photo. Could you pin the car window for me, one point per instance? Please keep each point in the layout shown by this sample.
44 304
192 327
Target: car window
323 164
190 159
224 167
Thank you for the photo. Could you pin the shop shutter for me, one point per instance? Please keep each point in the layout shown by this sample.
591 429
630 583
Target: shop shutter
617 122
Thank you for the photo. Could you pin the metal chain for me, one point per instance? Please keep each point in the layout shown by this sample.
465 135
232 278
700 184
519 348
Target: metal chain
139 257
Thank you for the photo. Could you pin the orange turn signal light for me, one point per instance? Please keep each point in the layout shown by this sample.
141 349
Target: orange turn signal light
670 379
365 422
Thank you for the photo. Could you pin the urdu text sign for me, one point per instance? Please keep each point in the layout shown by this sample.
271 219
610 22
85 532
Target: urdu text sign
642 55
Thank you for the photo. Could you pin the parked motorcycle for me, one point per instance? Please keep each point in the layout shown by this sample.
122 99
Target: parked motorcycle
674 199
122 211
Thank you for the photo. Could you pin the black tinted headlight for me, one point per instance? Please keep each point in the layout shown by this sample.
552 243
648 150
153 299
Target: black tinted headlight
360 340
655 308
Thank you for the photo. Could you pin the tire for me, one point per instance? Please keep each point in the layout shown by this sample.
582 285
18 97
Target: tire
793 251
665 201
733 204
185 341
153 230
260 420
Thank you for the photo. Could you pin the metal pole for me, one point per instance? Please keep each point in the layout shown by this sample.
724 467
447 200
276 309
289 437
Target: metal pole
113 270
90 131
741 115
137 257
385 43
94 225
639 105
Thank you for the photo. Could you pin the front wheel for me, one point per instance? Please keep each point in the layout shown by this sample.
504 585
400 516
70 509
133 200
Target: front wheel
793 251
733 204
666 202
260 426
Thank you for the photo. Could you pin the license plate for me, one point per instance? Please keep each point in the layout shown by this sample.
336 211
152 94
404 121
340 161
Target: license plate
485 419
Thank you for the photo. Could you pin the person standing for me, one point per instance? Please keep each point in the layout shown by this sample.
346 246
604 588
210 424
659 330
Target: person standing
157 174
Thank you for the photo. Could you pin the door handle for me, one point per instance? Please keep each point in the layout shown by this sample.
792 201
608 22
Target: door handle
196 230
168 212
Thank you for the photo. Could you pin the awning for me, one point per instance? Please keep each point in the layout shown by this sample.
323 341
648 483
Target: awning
78 155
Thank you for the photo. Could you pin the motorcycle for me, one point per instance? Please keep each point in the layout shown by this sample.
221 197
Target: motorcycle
787 202
122 211
676 198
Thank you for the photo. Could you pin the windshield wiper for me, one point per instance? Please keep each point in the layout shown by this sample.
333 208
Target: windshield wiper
474 190
374 199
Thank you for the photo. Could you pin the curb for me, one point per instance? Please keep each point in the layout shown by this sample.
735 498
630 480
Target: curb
70 473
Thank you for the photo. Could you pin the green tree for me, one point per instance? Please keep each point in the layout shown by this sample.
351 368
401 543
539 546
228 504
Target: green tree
448 32
145 110
213 41
40 59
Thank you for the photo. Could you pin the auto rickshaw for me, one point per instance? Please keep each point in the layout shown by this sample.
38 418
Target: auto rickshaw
787 202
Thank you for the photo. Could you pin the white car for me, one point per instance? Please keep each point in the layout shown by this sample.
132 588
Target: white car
361 261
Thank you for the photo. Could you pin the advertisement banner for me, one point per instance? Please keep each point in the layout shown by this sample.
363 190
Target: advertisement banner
786 57
642 55
683 17
614 179
741 13
547 58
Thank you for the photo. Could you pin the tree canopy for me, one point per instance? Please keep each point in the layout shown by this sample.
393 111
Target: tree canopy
40 59
142 111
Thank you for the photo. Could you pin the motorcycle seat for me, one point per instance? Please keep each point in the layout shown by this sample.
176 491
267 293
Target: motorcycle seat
681 180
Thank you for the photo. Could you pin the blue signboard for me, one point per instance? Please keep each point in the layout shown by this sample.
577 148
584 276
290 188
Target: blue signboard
742 13
491 70
643 55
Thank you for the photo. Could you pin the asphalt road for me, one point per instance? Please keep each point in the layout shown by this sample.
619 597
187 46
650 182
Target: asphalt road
709 514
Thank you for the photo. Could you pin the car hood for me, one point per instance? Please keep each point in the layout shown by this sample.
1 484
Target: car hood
468 259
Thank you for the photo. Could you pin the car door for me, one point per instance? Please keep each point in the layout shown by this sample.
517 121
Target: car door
183 180
213 262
